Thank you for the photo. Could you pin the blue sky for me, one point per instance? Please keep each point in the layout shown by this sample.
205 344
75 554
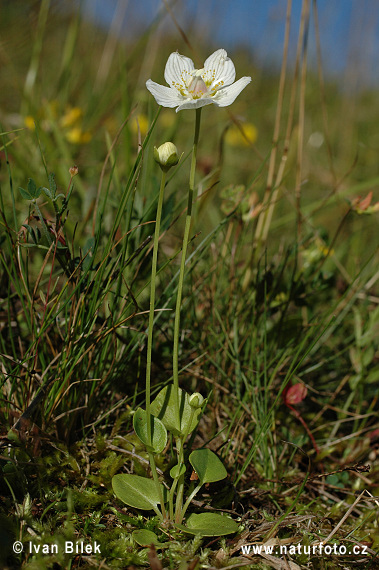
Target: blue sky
349 29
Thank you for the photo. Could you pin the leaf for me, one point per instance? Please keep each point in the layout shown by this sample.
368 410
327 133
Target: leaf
158 431
163 407
175 472
34 233
88 250
32 188
207 465
32 192
52 184
209 524
25 194
145 537
295 394
138 492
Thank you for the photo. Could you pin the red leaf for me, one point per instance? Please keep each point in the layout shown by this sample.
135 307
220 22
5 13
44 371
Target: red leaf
295 394
365 202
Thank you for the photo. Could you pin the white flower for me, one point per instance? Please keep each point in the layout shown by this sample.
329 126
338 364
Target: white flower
192 88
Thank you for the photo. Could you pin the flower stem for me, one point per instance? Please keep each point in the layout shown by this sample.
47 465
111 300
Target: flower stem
194 492
180 482
152 303
150 332
158 486
182 268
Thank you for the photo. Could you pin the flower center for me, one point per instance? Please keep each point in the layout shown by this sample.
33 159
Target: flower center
197 88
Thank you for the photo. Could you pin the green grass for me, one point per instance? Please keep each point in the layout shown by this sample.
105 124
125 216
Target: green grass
267 303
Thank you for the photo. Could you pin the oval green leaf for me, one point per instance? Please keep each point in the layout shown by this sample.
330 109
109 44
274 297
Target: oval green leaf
207 465
209 524
158 431
145 537
164 408
175 472
138 492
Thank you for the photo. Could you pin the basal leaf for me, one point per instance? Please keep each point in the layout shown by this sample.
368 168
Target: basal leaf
145 537
209 524
207 465
138 492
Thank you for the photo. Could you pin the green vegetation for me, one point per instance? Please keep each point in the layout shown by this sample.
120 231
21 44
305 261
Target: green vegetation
279 316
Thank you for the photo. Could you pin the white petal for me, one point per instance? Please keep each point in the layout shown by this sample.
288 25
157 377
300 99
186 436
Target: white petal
195 104
164 96
219 68
178 68
226 96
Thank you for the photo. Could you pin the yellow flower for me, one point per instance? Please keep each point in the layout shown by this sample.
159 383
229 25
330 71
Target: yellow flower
316 251
140 122
166 119
242 135
72 116
29 123
77 136
70 122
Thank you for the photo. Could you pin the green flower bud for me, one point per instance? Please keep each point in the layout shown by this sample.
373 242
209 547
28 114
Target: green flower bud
196 400
166 155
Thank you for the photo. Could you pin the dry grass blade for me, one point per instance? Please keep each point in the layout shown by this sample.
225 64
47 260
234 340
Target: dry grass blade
265 216
346 515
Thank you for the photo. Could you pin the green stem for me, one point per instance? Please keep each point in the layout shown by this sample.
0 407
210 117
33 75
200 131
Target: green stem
191 496
182 268
171 498
152 303
150 332
43 224
180 482
158 486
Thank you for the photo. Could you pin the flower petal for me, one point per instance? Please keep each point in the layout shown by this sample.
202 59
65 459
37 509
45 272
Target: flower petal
195 103
226 96
219 68
178 69
164 96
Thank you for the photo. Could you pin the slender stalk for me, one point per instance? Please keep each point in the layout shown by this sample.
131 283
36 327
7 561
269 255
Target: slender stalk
270 197
152 302
180 483
171 498
191 496
187 228
150 332
179 480
159 488
180 440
